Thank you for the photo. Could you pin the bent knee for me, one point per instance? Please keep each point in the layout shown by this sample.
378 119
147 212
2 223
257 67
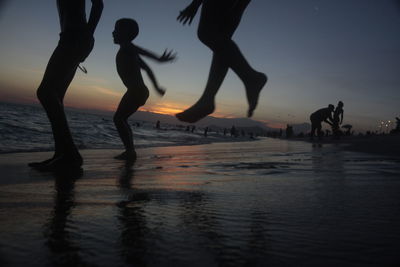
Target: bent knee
118 119
44 95
211 39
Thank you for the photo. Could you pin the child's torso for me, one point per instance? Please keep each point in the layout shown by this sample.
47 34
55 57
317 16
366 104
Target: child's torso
128 68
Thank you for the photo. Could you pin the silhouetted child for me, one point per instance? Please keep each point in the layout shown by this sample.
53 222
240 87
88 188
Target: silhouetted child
129 64
319 116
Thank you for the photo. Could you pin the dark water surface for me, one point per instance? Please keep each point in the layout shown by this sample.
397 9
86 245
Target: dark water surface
264 203
25 128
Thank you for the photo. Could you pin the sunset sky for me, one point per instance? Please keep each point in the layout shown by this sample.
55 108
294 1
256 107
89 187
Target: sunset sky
315 52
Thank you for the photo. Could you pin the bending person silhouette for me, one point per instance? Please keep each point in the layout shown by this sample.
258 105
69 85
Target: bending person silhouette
76 43
218 22
319 116
129 64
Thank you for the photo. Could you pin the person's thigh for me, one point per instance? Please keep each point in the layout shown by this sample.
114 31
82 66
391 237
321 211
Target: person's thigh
127 106
59 71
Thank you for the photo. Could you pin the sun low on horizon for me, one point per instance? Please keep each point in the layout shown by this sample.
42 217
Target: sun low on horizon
315 53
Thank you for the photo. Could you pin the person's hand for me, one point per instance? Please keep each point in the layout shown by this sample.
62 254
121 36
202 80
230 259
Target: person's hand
187 14
167 56
161 91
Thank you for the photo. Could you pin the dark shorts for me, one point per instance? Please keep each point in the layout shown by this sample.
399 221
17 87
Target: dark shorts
79 44
315 122
221 16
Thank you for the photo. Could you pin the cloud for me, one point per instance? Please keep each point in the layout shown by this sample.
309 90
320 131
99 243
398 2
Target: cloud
106 91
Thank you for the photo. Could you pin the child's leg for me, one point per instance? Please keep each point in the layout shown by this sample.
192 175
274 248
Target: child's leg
126 108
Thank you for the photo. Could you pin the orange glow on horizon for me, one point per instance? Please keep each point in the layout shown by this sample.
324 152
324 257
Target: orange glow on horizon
174 108
275 125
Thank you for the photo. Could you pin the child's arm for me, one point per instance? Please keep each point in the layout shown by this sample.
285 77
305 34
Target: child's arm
165 57
95 14
153 79
189 12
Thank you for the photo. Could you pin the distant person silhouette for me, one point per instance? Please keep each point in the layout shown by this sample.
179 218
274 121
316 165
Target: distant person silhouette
129 64
76 43
397 129
218 22
233 131
319 116
206 132
289 131
337 119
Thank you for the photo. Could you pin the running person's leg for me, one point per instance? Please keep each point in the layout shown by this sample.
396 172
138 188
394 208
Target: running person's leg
218 22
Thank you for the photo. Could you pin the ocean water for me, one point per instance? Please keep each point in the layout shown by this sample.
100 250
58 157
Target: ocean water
25 128
264 203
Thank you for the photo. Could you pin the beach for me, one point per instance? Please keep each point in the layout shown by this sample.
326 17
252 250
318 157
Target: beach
264 203
387 145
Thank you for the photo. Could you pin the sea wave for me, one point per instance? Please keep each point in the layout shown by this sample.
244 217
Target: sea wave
25 128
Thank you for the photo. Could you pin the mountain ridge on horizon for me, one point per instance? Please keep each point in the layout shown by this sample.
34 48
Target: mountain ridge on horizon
208 121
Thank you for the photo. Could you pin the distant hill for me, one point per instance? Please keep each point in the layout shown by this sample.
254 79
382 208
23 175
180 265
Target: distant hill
246 124
209 121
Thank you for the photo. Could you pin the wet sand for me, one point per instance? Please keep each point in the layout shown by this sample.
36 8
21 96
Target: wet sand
262 203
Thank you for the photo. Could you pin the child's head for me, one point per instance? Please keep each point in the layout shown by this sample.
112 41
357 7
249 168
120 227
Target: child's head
125 30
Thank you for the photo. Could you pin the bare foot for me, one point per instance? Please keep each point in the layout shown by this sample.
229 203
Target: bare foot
62 162
127 155
253 90
41 163
196 112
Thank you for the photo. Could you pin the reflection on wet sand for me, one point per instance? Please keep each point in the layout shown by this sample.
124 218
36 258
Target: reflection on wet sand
60 226
267 203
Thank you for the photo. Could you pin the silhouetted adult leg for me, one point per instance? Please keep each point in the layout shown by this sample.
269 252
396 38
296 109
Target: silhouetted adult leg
218 22
315 126
58 75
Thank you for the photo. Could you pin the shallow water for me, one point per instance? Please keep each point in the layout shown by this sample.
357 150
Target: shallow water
264 203
25 128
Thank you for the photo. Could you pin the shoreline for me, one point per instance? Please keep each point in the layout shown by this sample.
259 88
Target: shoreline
228 139
257 203
385 145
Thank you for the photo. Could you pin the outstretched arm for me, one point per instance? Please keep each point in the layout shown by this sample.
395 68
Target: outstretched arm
165 57
152 78
189 12
329 120
95 14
